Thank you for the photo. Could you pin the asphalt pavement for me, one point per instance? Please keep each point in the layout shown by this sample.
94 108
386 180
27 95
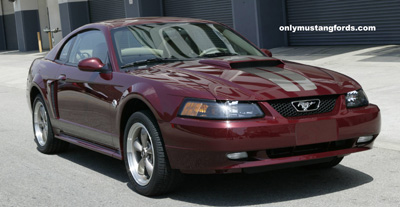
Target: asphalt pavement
80 177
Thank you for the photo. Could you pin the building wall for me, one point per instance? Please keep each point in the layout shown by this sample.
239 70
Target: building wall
246 19
272 14
44 22
55 20
143 8
10 31
252 18
73 13
150 8
257 20
2 33
27 24
383 15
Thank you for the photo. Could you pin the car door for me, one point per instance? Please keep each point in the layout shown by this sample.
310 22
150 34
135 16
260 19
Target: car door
83 104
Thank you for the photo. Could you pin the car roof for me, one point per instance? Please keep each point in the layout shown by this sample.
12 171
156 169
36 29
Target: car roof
146 20
115 23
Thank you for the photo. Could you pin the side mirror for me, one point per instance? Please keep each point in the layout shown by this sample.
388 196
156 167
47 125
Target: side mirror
267 52
91 65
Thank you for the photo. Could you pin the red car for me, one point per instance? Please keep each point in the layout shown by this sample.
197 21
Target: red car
171 96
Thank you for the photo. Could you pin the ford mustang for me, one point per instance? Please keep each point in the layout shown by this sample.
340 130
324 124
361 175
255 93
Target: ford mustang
174 96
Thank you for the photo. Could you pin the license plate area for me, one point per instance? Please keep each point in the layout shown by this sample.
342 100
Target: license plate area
316 132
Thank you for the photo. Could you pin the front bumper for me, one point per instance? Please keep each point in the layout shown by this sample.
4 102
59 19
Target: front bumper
200 146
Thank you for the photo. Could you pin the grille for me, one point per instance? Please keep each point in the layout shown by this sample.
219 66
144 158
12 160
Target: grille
286 109
310 149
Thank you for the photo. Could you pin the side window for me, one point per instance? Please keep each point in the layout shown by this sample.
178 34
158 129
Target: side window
89 44
64 52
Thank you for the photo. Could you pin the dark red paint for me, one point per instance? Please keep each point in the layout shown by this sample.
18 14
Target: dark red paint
267 52
81 110
91 65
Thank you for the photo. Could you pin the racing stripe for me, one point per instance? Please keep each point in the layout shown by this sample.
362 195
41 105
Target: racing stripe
284 83
299 79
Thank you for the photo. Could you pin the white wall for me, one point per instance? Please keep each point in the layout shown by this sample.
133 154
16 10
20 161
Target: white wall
25 5
44 22
8 7
55 21
65 1
1 8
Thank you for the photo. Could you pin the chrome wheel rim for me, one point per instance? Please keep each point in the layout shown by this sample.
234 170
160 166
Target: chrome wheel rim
40 122
140 154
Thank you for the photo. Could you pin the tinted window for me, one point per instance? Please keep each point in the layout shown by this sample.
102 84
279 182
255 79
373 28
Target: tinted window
89 44
64 52
177 40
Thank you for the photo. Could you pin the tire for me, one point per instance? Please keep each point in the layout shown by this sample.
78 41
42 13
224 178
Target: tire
335 161
145 158
43 131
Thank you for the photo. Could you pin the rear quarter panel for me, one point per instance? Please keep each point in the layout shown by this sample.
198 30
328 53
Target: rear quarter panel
41 74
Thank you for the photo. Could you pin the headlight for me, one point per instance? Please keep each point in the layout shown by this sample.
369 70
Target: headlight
356 99
207 109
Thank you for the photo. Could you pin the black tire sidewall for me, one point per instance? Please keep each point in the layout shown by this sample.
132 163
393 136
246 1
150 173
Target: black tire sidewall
145 118
49 140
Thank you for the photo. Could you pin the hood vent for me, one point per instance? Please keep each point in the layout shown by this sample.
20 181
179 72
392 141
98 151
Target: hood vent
251 64
241 64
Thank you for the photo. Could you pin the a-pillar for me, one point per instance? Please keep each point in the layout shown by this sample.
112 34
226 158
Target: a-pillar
27 24
73 13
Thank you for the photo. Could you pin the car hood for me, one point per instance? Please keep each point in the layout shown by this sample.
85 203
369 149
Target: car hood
253 78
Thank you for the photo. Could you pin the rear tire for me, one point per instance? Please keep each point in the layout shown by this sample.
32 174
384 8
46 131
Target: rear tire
326 165
43 130
145 158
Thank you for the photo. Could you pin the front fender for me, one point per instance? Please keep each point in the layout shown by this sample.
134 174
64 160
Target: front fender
161 103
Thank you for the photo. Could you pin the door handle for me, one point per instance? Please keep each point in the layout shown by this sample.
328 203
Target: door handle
62 77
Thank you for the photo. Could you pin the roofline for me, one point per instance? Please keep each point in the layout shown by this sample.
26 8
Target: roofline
115 23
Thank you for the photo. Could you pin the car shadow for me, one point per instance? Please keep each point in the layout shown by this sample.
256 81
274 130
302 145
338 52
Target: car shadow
268 187
103 164
236 189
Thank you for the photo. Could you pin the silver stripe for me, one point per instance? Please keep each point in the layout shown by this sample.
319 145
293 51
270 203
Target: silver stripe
278 80
301 80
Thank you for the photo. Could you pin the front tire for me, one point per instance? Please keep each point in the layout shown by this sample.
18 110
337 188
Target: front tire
145 159
43 131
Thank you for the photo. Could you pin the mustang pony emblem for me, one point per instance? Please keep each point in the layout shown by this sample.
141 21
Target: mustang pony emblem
306 105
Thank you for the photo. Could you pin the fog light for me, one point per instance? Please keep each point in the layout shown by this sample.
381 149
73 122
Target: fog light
364 139
236 155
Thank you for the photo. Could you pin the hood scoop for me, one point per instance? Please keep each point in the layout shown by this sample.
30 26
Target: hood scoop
241 63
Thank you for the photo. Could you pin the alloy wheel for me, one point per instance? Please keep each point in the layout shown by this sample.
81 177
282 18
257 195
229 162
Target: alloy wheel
140 154
40 123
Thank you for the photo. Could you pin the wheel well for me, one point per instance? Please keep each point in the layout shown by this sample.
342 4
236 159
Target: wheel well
34 92
131 107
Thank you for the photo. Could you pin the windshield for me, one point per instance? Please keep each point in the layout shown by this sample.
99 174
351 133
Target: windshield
177 41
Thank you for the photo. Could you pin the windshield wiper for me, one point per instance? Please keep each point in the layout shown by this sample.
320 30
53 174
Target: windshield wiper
147 61
219 54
